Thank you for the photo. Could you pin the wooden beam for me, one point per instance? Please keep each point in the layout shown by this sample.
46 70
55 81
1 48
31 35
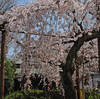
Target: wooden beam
3 54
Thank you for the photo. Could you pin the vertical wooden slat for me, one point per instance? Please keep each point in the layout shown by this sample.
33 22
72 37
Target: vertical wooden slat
3 52
98 22
78 81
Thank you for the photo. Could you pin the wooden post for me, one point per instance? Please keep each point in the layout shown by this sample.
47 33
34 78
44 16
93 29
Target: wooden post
77 77
77 82
3 52
83 91
98 21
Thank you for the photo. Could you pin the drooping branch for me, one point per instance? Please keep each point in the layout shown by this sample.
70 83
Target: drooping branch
68 68
17 41
41 34
76 47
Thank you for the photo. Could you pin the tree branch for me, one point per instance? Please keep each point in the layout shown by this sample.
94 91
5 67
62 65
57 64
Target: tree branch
76 47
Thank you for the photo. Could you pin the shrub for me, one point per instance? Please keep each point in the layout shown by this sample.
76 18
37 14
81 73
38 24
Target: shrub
94 94
34 94
10 69
9 75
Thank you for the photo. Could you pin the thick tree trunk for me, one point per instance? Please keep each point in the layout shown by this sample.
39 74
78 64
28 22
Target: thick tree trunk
68 68
68 86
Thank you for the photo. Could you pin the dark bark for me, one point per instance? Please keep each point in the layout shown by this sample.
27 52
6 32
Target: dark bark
68 86
78 82
98 22
3 51
99 53
68 68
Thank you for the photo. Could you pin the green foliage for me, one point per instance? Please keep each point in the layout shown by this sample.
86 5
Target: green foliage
94 94
34 94
10 69
16 95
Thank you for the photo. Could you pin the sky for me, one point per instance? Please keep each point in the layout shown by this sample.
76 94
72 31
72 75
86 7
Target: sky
23 2
56 27
18 2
